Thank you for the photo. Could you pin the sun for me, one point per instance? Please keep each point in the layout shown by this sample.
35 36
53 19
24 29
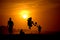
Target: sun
24 14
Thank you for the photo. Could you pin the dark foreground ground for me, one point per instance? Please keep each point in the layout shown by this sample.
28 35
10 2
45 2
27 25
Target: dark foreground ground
31 37
6 36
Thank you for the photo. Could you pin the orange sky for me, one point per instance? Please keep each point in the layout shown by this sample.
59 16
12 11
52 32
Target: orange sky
45 12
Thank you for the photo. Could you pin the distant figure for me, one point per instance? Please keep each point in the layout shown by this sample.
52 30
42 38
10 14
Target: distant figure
30 22
35 24
21 32
39 28
10 25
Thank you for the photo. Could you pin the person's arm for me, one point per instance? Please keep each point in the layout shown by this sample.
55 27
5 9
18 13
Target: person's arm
13 23
32 22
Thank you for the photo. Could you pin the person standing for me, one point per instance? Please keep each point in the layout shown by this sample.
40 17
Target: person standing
39 29
10 25
30 22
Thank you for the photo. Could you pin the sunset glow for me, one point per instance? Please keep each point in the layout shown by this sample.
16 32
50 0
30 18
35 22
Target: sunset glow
24 13
24 16
45 12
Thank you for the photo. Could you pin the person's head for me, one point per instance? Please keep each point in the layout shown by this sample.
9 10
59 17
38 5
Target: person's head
21 30
36 23
10 19
30 18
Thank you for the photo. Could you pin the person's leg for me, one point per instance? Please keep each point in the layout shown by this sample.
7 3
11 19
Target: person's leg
10 29
29 27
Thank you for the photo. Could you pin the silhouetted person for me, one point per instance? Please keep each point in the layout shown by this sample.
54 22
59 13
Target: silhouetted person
21 32
22 35
30 22
10 25
39 28
35 24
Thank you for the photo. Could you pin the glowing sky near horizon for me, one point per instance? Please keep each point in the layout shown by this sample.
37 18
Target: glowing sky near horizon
45 12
